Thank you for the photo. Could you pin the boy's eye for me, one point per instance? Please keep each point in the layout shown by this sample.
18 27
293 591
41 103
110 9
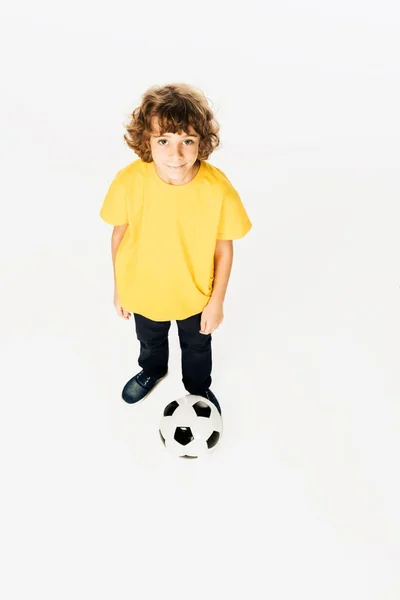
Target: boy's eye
191 142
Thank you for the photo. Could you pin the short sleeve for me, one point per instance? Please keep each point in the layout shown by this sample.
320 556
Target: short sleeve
234 222
114 208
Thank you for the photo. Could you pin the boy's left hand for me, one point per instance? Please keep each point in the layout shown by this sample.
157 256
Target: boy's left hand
211 317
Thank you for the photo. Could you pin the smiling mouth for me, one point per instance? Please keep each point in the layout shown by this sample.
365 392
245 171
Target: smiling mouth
178 167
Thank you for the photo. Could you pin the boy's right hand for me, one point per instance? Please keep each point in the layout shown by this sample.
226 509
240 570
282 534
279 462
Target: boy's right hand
121 312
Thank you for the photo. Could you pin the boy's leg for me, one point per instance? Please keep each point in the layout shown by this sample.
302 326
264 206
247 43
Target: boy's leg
154 349
196 355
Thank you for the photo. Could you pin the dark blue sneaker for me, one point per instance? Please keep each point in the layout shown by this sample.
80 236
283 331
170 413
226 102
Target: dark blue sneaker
210 396
139 387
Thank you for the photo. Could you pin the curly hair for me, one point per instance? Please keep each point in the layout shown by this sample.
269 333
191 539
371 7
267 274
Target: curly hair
175 106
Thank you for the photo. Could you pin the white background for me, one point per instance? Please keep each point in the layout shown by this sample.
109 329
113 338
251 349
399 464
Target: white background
301 496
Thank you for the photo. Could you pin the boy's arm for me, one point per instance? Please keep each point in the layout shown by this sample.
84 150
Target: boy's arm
117 235
223 258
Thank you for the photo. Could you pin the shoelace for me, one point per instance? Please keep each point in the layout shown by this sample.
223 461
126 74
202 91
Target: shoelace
147 379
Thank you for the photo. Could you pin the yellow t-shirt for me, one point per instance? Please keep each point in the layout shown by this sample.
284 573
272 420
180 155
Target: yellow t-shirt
164 266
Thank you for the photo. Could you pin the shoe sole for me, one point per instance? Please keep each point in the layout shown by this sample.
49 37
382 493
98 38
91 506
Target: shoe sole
148 393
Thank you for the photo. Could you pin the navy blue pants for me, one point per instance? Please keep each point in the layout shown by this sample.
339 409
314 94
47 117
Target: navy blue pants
195 350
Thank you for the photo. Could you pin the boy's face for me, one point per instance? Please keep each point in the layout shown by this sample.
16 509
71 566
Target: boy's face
174 154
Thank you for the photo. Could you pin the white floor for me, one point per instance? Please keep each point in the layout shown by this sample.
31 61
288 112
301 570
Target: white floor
301 493
300 499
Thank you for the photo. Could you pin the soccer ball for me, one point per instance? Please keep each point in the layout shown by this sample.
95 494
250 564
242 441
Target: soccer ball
190 427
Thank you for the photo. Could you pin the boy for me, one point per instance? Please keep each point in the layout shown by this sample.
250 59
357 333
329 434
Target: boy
175 216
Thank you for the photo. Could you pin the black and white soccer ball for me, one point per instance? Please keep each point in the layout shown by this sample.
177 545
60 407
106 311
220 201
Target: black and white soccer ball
190 427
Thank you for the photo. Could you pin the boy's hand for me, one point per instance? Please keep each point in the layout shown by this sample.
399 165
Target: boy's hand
121 312
211 317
